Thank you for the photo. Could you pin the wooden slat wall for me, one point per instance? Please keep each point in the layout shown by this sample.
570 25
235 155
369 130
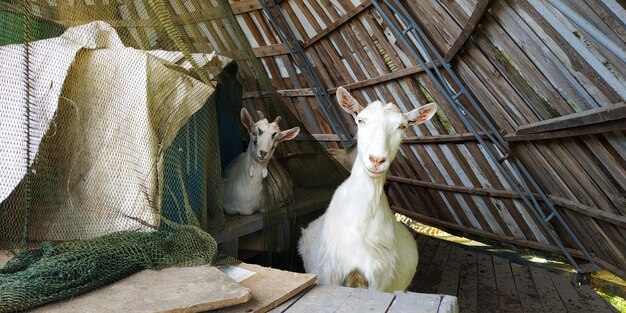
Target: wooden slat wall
521 69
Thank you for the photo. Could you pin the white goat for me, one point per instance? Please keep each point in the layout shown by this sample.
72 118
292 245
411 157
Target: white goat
358 242
243 177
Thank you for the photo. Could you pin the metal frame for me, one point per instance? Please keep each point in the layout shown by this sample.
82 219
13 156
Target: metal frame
498 149
300 59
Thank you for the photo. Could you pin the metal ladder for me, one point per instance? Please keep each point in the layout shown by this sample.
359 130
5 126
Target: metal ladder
275 16
516 174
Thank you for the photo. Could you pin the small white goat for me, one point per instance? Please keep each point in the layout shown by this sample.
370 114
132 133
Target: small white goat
243 177
358 242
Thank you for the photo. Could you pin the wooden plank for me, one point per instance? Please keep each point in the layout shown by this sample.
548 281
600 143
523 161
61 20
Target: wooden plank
546 290
426 255
487 301
287 304
238 226
322 298
528 295
560 202
244 6
449 304
621 272
479 10
592 300
521 242
421 240
306 92
468 283
443 139
365 300
469 137
184 289
611 126
342 20
603 114
507 292
306 201
409 302
436 268
270 287
555 73
271 50
568 293
562 48
449 284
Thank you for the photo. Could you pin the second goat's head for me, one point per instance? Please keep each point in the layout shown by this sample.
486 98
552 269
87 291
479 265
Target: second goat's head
381 128
265 136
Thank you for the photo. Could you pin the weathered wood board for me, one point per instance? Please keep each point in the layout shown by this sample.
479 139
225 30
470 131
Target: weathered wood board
270 287
175 290
327 298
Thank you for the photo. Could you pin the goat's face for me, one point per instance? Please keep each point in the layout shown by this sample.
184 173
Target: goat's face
265 136
381 128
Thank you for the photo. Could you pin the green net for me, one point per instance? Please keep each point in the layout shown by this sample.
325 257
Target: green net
58 271
117 121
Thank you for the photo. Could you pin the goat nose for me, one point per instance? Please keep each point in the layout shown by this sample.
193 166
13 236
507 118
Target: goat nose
377 160
262 153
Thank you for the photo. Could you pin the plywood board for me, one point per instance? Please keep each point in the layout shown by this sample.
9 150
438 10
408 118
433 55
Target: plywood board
176 289
270 287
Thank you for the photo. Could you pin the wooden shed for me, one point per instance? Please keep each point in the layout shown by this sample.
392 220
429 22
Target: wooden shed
531 149
527 148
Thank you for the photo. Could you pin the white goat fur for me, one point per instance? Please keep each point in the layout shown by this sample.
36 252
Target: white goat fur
358 231
243 177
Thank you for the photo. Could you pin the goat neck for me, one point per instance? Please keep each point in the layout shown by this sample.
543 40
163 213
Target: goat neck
256 168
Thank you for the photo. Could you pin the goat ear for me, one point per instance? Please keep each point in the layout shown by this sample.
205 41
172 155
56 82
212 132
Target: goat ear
246 119
260 114
288 134
421 114
347 102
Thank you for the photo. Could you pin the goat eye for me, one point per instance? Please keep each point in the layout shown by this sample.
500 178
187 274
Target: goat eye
361 121
273 135
402 126
260 132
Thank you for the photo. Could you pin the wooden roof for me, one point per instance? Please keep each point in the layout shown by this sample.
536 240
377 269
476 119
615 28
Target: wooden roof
547 85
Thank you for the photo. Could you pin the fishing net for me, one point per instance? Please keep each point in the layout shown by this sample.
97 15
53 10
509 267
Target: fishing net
117 118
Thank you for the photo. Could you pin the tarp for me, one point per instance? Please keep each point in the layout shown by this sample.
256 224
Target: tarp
101 117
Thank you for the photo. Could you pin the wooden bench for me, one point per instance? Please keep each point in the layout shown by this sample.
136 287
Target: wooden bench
307 200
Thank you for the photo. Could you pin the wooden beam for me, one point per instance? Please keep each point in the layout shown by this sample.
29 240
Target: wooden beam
482 233
468 29
244 6
270 50
306 92
319 137
611 126
442 139
256 94
340 21
594 116
521 242
617 220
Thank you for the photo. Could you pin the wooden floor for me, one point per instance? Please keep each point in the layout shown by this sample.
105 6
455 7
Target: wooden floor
485 282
